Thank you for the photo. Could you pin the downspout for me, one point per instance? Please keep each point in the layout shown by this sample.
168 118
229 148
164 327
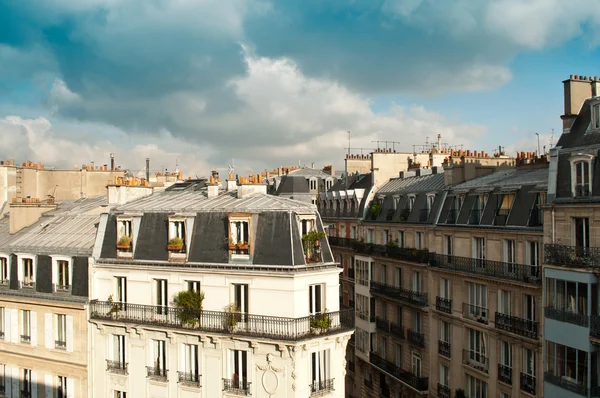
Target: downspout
553 233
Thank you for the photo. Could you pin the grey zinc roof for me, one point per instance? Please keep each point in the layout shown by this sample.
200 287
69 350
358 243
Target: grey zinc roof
426 183
68 230
308 172
293 184
513 178
197 201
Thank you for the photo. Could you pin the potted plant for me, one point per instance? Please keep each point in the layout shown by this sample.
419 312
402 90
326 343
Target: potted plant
124 242
375 210
175 244
310 244
114 307
320 322
232 316
189 303
242 245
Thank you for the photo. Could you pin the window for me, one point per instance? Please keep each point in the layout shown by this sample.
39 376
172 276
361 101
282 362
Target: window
306 225
313 184
353 232
479 251
529 307
417 322
566 363
177 230
362 307
26 326
430 200
477 343
399 355
28 277
529 362
362 340
118 354
504 302
416 281
399 318
385 234
61 332
398 277
121 289
382 346
532 258
161 298
64 280
395 202
26 382
3 378
320 370
476 388
444 331
124 236
237 368
419 240
582 179
444 375
401 241
120 394
445 288
506 354
2 324
582 234
239 238
240 297
193 286
503 210
343 230
504 395
315 299
416 364
509 254
477 302
448 245
362 272
596 116
62 387
370 236
189 356
3 271
411 202
382 273
158 357
328 184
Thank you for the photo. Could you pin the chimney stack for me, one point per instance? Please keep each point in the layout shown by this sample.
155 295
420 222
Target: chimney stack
147 169
212 188
112 162
595 86
231 183
576 90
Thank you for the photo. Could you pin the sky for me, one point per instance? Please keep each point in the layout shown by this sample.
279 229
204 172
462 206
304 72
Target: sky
197 84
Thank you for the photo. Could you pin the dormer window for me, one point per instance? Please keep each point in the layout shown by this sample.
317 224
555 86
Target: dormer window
411 202
396 201
176 244
63 275
3 271
596 116
313 184
503 210
124 237
307 224
581 175
328 184
28 276
239 236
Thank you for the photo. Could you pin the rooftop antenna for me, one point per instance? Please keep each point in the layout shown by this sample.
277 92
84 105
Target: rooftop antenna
231 166
348 144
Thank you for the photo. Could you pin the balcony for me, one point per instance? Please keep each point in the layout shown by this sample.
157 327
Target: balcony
236 386
391 251
567 316
476 313
443 305
516 325
158 374
416 338
280 328
27 285
116 367
321 387
444 349
505 374
62 288
399 293
476 360
487 268
189 379
420 384
443 391
351 367
567 383
60 345
527 383
572 256
25 339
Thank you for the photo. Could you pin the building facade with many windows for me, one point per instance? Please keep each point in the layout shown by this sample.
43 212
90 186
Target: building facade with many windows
269 323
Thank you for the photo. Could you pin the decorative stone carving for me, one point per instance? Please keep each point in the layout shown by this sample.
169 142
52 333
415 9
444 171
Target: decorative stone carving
292 353
270 379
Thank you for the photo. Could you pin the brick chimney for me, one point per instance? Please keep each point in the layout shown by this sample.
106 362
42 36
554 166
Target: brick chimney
576 90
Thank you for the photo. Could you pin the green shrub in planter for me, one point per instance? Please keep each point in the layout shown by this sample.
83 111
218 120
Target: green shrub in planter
190 306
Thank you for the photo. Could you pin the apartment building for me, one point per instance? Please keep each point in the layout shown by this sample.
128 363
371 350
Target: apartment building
571 241
45 249
266 319
304 184
444 268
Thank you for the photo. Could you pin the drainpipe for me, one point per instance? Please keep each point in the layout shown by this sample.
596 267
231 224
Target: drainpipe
553 234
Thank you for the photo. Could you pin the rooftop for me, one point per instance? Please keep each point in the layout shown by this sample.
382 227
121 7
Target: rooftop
426 183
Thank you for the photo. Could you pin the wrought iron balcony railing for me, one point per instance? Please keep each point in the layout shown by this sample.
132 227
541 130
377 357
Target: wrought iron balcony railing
516 325
505 374
444 349
397 330
567 316
156 373
476 360
291 329
116 366
595 326
321 387
495 269
443 391
416 338
237 386
572 256
582 191
476 313
443 305
60 345
189 379
391 251
527 383
62 288
420 384
399 293
567 383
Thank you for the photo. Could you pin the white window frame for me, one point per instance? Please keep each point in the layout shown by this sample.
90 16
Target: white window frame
237 367
56 263
595 115
120 289
26 323
119 349
4 269
477 346
158 355
444 375
529 307
161 295
582 159
445 288
416 363
61 323
476 388
430 202
30 283
529 362
309 221
3 326
370 235
190 360
316 298
419 240
236 235
411 202
448 245
240 295
445 331
479 250
505 358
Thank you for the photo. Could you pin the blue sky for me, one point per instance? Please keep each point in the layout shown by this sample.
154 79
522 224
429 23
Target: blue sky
196 83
